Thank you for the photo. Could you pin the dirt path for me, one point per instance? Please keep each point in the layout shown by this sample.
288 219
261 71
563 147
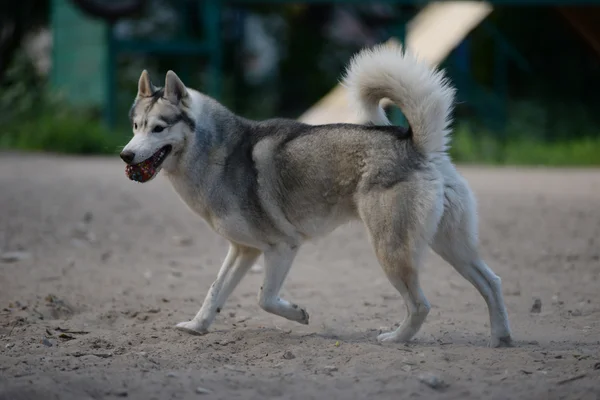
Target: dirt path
118 264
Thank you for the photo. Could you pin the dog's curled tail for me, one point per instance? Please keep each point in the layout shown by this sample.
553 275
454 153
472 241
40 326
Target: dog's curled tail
424 95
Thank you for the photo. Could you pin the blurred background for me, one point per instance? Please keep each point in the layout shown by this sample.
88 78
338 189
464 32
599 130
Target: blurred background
528 72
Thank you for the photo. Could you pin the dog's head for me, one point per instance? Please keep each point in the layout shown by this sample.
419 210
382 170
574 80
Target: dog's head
161 122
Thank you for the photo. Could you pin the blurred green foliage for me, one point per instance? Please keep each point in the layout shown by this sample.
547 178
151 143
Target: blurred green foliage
35 119
552 118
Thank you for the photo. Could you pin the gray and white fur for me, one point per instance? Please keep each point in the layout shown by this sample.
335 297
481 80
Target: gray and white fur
270 186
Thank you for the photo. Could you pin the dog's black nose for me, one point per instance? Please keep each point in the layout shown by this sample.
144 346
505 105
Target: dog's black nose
127 156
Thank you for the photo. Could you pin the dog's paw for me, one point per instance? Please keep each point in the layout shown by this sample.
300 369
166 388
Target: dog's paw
387 337
497 342
394 337
191 327
305 317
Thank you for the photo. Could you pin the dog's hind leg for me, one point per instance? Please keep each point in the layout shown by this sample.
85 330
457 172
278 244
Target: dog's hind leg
456 242
400 224
278 261
238 261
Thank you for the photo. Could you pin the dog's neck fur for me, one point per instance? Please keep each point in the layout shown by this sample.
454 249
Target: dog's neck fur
197 172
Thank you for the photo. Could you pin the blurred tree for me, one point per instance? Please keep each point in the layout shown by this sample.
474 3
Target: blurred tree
17 19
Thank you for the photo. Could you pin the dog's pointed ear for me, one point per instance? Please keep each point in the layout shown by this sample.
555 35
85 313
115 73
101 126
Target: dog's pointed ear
145 86
175 90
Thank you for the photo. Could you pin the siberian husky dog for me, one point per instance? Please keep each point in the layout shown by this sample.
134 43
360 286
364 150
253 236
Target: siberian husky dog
269 186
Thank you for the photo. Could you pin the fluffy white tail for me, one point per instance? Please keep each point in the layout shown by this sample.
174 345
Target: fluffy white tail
423 94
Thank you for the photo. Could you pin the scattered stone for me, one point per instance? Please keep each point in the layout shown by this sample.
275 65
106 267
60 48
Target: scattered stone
525 372
14 256
329 369
536 307
171 375
406 368
183 241
256 269
234 369
9 345
46 342
66 336
571 379
176 274
384 329
121 393
102 355
597 366
288 355
81 232
88 217
201 390
575 313
433 381
105 256
231 314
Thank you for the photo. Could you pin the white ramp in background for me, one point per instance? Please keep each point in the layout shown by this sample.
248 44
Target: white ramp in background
431 35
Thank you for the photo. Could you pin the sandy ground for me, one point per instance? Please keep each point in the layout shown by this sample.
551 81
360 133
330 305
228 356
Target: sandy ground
107 267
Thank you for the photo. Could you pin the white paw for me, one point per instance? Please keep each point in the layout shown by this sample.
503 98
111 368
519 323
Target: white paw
387 337
191 327
395 337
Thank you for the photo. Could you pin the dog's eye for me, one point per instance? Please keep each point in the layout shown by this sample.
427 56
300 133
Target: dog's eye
135 125
158 129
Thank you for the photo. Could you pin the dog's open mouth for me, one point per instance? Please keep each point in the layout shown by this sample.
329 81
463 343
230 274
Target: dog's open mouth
147 169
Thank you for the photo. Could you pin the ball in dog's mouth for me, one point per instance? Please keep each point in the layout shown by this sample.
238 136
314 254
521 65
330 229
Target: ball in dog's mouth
147 169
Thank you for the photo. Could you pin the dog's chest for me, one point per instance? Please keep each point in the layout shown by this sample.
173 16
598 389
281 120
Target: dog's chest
216 207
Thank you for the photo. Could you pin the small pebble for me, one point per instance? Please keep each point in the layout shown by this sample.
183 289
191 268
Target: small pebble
9 345
536 306
576 313
88 217
433 381
183 240
288 355
14 256
201 390
171 375
46 342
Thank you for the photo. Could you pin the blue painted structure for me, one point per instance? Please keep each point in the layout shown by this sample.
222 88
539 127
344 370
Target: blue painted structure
490 105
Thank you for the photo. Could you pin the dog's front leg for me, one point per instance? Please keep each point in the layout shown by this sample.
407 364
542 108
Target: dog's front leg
238 261
278 261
